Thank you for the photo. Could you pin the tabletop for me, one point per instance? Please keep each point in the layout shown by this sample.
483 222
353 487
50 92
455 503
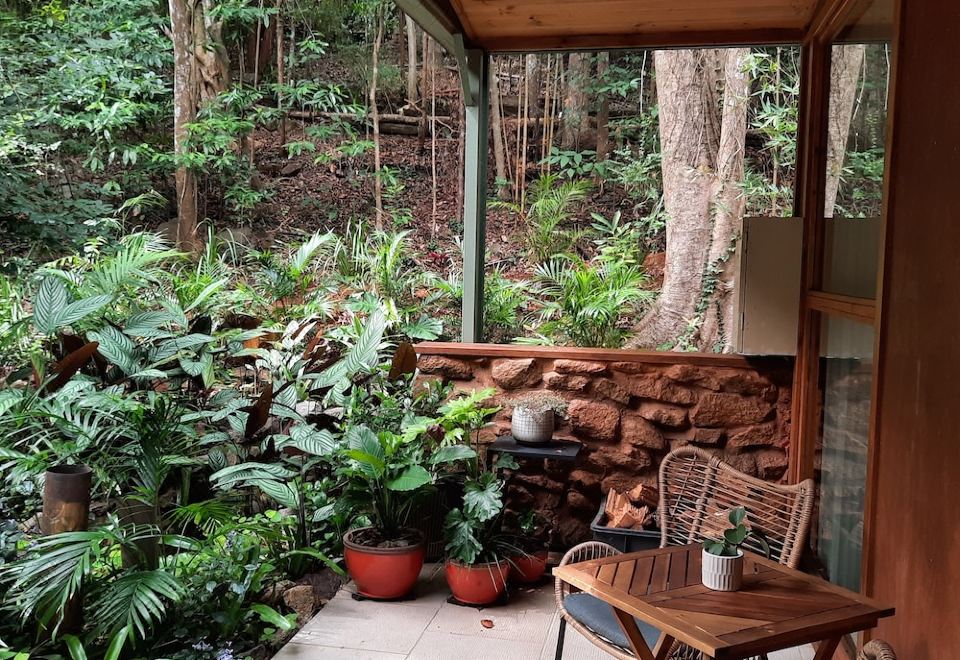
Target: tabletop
776 608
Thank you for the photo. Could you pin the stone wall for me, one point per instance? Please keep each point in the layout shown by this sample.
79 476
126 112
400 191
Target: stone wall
628 408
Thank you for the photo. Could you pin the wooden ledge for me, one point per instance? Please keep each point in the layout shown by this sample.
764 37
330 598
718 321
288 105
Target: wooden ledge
481 351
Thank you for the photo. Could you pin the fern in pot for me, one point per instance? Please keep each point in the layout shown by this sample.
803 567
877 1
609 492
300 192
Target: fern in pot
534 416
722 559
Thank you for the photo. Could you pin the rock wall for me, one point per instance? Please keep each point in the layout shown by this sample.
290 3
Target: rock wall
629 410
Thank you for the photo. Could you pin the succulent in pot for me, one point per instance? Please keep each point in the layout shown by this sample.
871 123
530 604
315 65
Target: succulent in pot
722 559
386 475
534 416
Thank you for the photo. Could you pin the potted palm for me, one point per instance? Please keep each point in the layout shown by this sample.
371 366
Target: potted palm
386 475
534 416
722 559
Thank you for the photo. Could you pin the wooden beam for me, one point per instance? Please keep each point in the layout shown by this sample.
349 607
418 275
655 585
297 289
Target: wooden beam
436 18
862 310
476 117
682 39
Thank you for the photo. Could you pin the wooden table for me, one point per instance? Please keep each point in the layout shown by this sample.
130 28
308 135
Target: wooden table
776 608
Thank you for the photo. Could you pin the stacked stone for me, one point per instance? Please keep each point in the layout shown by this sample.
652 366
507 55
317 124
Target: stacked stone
629 415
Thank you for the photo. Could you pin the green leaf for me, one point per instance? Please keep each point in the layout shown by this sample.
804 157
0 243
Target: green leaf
482 498
51 300
451 454
80 309
75 647
735 536
116 644
306 437
737 516
269 615
414 477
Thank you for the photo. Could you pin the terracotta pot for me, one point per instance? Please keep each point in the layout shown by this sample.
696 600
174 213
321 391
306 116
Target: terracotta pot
528 568
383 573
479 584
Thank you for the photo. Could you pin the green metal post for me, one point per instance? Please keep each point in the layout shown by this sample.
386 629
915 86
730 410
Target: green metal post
476 86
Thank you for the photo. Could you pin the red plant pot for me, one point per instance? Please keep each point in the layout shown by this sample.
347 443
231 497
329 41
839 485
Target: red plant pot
383 573
480 584
528 568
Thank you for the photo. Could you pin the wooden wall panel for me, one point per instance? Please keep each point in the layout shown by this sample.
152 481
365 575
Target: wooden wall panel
913 560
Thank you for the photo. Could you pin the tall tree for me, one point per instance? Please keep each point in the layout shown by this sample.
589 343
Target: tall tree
845 66
496 126
375 116
603 108
201 71
411 30
575 101
702 97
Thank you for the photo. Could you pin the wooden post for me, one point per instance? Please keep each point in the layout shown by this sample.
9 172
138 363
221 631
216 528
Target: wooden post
477 111
66 508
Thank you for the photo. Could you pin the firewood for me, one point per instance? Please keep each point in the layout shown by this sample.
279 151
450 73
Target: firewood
643 494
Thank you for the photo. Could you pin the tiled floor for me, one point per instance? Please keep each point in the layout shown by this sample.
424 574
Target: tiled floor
429 628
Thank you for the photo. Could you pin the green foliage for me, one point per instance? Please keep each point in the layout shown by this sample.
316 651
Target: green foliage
583 302
735 536
552 202
575 164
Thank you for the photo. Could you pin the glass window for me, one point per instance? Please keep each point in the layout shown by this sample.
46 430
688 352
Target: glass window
856 150
846 367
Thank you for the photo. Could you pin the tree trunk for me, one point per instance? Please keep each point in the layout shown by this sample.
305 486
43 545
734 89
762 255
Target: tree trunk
603 111
375 117
716 307
847 62
412 96
534 82
185 103
575 111
702 167
496 125
281 73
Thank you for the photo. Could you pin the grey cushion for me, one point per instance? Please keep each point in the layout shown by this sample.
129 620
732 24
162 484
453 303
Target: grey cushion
598 617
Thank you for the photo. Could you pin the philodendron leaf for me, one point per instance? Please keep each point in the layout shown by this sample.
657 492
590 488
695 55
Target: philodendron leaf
414 477
482 498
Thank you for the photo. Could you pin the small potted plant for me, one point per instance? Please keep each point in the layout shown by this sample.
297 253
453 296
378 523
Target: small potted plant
528 566
533 418
722 561
477 564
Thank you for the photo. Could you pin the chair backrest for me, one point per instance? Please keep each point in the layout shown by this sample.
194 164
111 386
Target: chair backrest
697 491
877 650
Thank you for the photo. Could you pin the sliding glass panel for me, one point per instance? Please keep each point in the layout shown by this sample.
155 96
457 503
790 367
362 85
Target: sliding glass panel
846 367
856 148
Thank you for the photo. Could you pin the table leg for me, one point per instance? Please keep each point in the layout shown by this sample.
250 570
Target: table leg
638 644
826 648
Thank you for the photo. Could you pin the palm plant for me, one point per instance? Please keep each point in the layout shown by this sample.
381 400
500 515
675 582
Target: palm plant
584 302
552 201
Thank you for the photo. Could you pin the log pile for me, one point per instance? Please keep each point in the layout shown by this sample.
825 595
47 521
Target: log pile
633 511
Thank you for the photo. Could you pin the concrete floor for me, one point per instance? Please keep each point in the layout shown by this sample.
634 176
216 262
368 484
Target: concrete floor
430 628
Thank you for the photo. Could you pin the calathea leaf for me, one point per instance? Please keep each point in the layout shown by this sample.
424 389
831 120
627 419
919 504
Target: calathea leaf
51 300
306 437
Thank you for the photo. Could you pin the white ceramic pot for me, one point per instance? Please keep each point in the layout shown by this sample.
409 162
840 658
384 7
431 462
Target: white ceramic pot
721 573
531 428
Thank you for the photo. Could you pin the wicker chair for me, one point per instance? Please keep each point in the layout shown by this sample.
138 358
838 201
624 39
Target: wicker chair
877 650
697 490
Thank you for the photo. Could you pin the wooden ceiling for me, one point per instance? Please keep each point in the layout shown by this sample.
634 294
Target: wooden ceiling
505 25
